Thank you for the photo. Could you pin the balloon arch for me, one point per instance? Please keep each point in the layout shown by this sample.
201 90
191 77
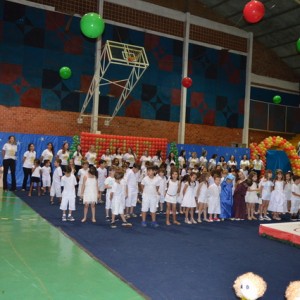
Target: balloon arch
276 141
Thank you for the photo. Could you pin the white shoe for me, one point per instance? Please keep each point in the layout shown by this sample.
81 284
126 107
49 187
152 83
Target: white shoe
187 221
267 218
261 218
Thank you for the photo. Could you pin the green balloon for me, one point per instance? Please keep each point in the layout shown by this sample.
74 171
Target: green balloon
65 72
276 99
298 45
92 25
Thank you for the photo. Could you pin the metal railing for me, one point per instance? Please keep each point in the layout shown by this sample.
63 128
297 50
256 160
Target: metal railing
274 117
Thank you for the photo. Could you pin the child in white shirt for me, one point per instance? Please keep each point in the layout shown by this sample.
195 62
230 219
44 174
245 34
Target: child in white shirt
36 177
46 176
68 182
109 181
132 178
213 199
117 197
102 174
162 189
56 183
150 188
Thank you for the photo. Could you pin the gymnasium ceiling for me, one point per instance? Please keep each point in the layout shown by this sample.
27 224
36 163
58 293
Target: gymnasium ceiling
278 30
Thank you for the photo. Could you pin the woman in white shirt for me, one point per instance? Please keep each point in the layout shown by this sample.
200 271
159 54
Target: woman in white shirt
193 160
48 154
182 159
212 162
203 159
107 157
231 162
130 157
157 159
63 155
77 156
91 156
244 165
258 165
118 154
9 162
28 160
144 158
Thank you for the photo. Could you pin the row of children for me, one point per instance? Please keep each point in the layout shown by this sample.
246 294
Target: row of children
228 196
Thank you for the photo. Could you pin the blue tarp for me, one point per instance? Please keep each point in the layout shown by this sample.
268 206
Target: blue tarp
40 142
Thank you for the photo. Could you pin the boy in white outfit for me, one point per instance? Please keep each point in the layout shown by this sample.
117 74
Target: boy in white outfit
150 189
56 183
68 182
132 178
213 199
102 175
109 181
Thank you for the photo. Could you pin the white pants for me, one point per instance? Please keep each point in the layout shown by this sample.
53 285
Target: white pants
131 198
67 200
295 206
149 203
108 201
46 182
55 190
117 207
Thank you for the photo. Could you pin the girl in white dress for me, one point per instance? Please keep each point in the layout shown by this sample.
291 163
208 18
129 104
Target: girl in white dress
278 201
251 196
202 196
189 198
90 193
173 187
91 156
266 186
183 181
288 189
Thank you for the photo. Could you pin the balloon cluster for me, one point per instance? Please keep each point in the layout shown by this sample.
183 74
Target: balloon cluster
111 142
75 143
276 141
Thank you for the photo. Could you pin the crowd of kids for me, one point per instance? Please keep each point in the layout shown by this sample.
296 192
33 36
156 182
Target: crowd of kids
199 189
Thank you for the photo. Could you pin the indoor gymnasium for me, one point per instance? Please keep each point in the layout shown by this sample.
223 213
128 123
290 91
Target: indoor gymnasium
150 149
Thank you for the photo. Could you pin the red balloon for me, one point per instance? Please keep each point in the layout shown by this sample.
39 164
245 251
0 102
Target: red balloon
254 11
187 82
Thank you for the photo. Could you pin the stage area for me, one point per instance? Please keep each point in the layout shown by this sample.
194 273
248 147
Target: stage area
289 231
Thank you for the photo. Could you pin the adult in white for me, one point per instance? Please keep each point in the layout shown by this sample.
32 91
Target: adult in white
182 159
63 155
77 156
47 154
157 159
91 156
28 160
9 151
130 157
232 162
203 159
107 157
258 165
244 165
118 154
212 162
144 158
193 160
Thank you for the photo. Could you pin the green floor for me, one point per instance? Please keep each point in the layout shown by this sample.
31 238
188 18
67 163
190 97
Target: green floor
37 261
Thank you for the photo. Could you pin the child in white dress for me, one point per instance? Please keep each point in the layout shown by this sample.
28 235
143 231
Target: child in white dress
171 194
68 182
213 199
201 196
132 180
189 198
278 202
251 196
80 175
46 176
90 193
117 200
183 181
55 190
266 186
